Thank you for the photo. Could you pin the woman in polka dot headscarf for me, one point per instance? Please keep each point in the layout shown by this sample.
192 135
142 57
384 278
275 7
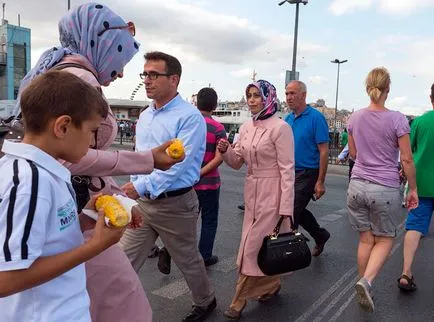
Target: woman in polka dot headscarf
96 44
95 33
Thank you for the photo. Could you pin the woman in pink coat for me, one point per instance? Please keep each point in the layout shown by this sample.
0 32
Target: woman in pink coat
96 44
266 146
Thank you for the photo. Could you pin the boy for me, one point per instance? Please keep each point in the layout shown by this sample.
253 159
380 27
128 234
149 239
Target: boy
42 275
208 188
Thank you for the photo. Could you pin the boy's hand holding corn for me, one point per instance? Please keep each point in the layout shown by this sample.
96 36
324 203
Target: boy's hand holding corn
104 236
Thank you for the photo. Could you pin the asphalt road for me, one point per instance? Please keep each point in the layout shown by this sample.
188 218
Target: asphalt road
322 292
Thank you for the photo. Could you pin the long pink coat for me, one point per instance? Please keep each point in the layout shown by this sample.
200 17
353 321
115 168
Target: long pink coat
115 291
267 148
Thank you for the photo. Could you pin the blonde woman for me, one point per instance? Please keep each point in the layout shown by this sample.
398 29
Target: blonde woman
376 136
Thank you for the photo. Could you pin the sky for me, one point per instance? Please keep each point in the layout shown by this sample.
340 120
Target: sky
222 42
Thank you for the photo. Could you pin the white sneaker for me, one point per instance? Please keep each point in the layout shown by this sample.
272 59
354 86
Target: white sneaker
363 290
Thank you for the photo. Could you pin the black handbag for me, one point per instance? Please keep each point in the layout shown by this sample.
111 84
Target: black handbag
283 253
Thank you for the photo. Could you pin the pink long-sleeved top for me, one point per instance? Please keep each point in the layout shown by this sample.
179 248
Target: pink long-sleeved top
100 162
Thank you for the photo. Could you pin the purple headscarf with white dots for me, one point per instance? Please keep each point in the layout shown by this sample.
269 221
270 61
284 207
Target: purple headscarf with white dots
78 29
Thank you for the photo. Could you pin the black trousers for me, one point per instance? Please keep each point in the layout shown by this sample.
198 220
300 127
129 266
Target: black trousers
350 168
305 181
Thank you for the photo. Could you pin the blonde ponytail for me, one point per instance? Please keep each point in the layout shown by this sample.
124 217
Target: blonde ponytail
377 82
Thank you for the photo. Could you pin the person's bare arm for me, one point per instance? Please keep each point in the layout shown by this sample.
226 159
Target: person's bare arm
352 147
409 170
323 164
407 161
213 164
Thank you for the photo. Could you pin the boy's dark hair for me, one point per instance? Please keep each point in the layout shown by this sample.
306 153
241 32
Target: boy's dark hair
207 99
57 93
432 93
173 66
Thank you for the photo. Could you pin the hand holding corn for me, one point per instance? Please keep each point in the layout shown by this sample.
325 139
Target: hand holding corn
176 149
162 159
113 210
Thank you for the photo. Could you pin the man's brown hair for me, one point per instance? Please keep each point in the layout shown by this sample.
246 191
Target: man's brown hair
57 93
173 66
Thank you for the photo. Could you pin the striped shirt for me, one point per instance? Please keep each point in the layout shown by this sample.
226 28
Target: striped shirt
38 218
215 132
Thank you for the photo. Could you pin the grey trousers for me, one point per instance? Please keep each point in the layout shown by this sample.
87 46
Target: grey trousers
174 219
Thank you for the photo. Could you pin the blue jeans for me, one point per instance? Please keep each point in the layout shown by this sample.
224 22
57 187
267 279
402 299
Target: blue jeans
209 208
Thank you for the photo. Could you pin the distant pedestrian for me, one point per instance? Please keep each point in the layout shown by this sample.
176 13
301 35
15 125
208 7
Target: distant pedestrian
343 157
376 136
344 138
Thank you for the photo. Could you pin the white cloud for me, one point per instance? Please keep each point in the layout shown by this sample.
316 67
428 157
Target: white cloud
397 101
340 7
244 72
404 6
317 80
401 7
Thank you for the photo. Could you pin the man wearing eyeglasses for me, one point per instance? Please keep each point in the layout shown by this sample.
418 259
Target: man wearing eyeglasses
167 200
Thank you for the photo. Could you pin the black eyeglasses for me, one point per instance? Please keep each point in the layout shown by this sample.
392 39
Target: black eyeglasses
152 75
130 26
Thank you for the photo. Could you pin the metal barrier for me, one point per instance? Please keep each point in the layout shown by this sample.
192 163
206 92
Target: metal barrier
125 136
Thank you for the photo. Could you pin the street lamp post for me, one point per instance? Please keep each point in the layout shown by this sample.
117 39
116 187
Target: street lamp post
293 75
339 62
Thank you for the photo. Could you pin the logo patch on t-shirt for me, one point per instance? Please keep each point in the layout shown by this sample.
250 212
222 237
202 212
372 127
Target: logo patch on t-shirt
67 215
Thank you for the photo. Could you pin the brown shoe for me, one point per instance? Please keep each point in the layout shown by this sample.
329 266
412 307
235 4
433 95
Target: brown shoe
319 247
233 314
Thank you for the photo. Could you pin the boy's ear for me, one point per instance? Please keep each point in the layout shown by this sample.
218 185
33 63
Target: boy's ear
62 124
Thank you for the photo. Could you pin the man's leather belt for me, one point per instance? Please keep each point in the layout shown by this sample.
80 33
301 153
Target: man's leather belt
169 194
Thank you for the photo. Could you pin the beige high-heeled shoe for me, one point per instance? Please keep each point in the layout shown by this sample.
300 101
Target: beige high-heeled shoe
233 314
266 297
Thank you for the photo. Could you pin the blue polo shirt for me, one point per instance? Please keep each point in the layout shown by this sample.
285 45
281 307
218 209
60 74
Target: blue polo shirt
310 129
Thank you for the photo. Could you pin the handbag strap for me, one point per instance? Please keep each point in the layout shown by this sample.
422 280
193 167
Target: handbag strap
279 223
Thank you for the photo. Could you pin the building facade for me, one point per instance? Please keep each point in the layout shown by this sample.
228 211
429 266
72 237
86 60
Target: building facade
14 58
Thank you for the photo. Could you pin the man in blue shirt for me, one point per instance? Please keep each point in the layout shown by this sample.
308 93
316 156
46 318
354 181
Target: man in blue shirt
311 137
167 199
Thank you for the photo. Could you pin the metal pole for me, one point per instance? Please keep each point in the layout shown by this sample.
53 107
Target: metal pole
69 4
337 93
294 53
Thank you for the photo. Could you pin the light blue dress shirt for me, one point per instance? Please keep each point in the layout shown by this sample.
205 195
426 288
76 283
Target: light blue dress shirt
177 119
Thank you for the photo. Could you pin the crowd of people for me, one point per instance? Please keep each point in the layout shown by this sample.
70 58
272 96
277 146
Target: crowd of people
53 254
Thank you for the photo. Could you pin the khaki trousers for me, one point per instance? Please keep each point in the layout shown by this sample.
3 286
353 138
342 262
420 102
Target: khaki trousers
174 219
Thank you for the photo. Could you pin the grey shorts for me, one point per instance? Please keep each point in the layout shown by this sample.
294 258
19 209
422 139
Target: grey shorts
373 207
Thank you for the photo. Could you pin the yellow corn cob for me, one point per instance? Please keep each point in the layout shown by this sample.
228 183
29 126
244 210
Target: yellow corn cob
113 210
176 149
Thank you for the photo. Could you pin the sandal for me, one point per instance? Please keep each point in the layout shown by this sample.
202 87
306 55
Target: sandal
410 286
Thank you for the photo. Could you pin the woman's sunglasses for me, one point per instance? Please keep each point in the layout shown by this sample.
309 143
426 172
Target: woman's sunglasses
130 26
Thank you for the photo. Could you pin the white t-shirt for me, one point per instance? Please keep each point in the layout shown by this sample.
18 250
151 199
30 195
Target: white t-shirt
38 218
